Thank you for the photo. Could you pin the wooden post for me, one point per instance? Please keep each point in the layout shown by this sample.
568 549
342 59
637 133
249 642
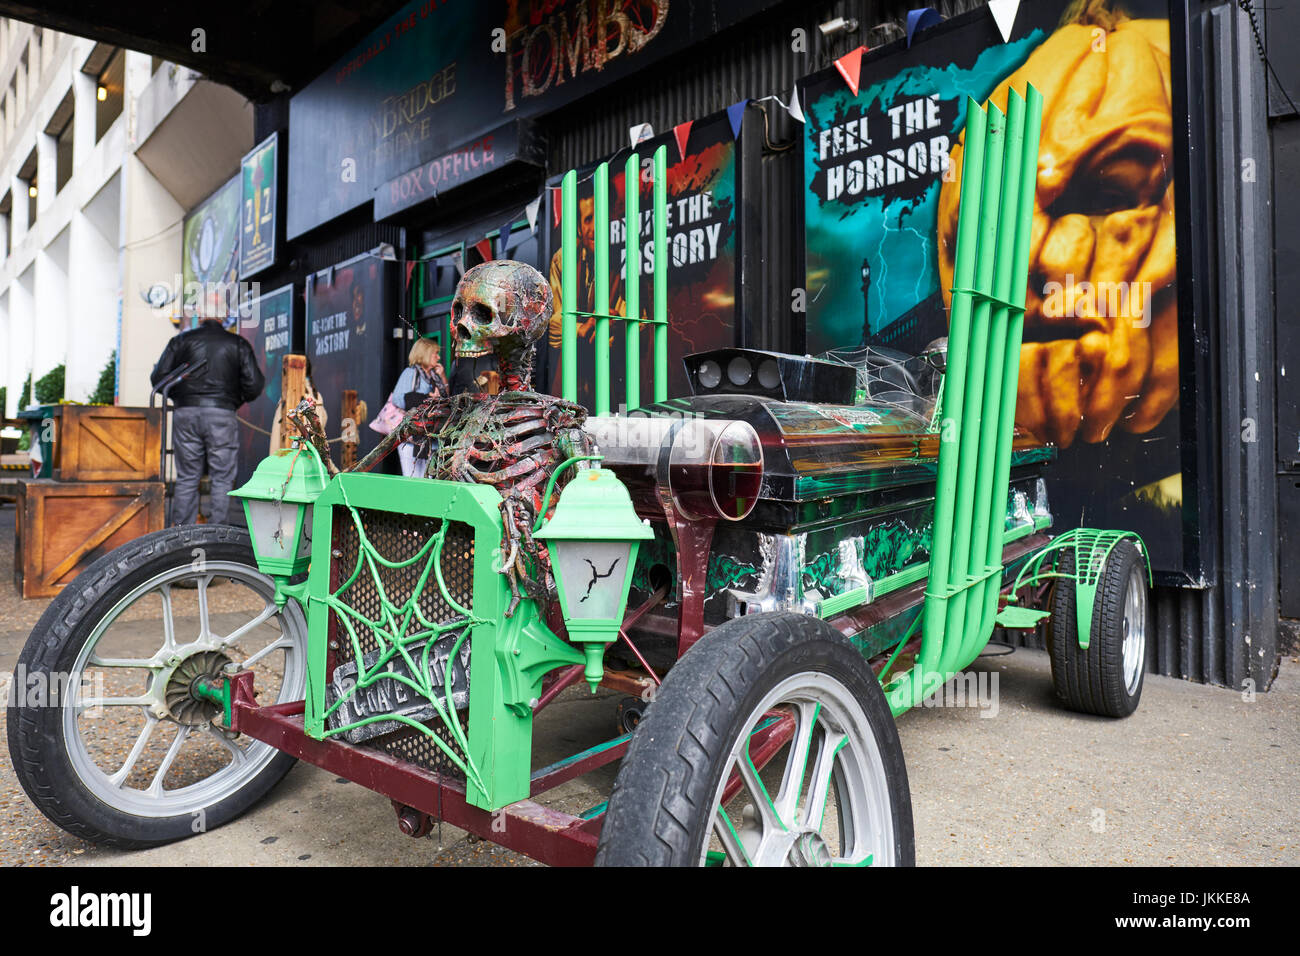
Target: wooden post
348 428
293 389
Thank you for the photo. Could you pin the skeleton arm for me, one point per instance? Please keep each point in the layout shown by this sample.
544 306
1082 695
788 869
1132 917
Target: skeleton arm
304 417
422 421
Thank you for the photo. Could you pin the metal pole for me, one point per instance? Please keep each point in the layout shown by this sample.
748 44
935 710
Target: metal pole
569 286
1023 189
661 275
600 285
911 687
972 448
632 280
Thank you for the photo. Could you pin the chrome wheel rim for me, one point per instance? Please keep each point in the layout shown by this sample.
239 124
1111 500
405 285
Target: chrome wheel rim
782 815
1135 629
176 656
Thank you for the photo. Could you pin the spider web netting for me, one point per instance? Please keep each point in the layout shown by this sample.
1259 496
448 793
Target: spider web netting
405 635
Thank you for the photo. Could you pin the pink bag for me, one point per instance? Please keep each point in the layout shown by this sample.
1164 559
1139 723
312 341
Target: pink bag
389 417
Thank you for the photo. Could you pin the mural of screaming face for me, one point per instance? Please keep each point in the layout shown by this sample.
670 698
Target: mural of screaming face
1101 318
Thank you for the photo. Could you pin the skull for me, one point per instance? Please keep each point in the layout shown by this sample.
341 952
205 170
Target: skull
500 306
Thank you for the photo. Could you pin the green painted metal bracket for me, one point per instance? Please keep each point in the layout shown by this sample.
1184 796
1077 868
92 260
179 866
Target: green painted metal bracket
1016 618
1090 549
217 691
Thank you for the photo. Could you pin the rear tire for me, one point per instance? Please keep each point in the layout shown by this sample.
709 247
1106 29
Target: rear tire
1106 678
667 807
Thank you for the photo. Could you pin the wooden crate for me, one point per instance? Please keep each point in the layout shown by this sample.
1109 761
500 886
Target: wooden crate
63 526
109 443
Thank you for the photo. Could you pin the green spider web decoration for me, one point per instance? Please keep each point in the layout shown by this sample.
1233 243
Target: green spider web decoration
397 629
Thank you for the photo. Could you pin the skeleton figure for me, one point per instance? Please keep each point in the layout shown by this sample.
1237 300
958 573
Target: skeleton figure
512 440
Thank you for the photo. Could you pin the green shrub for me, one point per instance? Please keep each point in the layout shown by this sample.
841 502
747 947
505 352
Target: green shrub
25 398
106 390
49 387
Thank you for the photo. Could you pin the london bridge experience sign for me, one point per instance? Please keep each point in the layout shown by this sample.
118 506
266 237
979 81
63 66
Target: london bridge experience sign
440 73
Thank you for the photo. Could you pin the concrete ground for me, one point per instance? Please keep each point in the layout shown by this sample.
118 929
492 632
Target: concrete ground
1199 775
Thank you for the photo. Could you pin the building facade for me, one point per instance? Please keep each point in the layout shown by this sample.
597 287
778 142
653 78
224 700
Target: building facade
102 152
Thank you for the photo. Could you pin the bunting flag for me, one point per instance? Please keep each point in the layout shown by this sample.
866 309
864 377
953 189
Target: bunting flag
921 19
735 115
682 132
555 206
458 259
410 267
795 109
531 212
504 236
640 133
850 67
484 248
1004 12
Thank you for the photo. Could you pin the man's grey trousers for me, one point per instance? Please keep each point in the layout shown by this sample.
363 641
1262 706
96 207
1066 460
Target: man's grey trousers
199 434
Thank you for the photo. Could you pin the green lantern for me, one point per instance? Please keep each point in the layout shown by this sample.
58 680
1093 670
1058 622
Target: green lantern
278 506
593 539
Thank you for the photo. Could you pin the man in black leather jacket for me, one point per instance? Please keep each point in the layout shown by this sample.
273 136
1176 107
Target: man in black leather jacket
204 423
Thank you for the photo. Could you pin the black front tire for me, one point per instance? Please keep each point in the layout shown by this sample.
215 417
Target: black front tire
37 732
1106 678
662 808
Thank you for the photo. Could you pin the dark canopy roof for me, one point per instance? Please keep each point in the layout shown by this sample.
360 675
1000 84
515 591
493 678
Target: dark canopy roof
251 45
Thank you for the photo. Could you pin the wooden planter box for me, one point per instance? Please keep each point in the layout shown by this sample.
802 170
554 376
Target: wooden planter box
63 526
108 443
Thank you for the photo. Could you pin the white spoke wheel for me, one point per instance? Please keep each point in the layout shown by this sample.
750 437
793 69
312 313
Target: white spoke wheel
1106 677
769 744
120 752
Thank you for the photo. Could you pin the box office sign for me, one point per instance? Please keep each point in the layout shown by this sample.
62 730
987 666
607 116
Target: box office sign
443 72
259 195
488 153
1099 370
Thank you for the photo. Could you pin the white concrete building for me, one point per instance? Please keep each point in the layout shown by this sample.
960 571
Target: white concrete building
102 153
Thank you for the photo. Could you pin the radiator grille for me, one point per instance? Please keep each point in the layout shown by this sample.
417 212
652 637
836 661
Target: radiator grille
398 538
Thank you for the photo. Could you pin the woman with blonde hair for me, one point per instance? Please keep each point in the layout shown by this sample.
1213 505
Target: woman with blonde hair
423 374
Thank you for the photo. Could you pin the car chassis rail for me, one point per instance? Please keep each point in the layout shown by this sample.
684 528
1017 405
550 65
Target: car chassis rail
549 836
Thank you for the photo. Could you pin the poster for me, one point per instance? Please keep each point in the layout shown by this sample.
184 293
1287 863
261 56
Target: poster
1099 368
267 324
439 73
349 345
259 193
701 259
210 256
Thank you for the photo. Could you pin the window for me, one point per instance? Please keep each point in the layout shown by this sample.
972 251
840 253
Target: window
7 220
110 93
61 129
28 183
